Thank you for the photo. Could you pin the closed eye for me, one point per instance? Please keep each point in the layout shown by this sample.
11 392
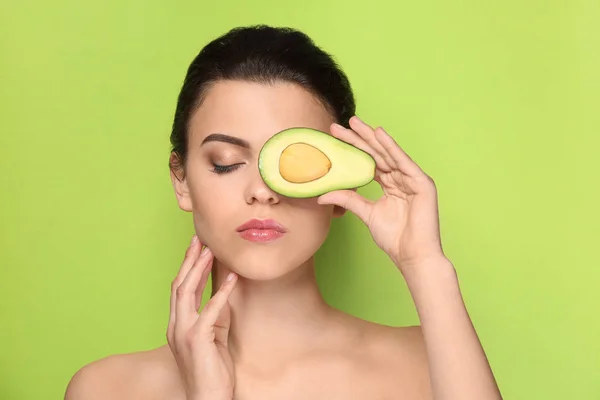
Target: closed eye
223 169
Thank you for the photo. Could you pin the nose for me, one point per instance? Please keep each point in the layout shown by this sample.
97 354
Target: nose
258 191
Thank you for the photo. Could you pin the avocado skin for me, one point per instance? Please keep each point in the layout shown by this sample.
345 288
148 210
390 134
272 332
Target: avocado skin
351 166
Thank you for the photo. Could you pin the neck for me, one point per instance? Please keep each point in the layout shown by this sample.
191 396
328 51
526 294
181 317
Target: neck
275 319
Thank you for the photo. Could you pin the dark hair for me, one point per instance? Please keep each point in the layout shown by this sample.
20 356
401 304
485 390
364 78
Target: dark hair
262 54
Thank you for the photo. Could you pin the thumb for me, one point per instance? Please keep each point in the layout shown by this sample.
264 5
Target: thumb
222 325
350 200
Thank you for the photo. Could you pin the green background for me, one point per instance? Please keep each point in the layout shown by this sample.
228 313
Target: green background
497 101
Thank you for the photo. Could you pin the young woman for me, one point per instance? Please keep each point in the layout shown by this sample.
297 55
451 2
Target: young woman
266 332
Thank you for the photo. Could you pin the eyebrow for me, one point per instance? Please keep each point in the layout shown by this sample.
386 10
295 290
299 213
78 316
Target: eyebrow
220 137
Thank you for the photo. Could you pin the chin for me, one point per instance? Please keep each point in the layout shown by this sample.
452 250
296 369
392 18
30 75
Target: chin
264 263
262 272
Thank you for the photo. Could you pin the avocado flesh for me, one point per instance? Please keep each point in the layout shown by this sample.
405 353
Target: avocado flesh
304 162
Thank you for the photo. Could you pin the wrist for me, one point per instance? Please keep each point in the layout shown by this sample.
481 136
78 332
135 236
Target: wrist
435 290
433 271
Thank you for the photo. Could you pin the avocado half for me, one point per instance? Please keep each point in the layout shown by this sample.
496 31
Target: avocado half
304 162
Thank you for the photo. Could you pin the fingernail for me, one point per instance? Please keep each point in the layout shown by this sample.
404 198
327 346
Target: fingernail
194 240
204 251
230 276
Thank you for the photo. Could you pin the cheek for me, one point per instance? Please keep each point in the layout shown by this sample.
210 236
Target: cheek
310 210
212 209
315 222
210 190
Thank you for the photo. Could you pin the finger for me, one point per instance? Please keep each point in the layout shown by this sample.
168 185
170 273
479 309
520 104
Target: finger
351 201
221 327
211 312
202 285
367 133
404 163
191 255
349 136
186 292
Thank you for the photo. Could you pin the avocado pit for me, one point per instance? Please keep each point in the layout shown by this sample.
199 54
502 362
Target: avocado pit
301 163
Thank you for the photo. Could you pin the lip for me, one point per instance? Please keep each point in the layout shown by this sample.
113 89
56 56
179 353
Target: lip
257 230
265 224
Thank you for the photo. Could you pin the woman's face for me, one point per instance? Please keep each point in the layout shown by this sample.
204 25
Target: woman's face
221 200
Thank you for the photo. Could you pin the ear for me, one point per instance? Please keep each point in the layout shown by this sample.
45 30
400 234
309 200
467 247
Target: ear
179 181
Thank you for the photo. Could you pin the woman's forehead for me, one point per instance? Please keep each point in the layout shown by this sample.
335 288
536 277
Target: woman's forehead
255 112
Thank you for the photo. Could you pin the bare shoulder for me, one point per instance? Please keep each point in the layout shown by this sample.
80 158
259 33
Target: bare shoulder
405 359
407 339
145 374
400 356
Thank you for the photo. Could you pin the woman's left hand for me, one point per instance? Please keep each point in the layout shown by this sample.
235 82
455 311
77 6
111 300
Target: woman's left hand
404 222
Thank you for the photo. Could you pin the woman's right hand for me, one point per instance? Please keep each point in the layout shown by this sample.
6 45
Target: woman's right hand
199 340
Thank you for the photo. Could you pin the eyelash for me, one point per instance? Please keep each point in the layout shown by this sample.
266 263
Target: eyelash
223 169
